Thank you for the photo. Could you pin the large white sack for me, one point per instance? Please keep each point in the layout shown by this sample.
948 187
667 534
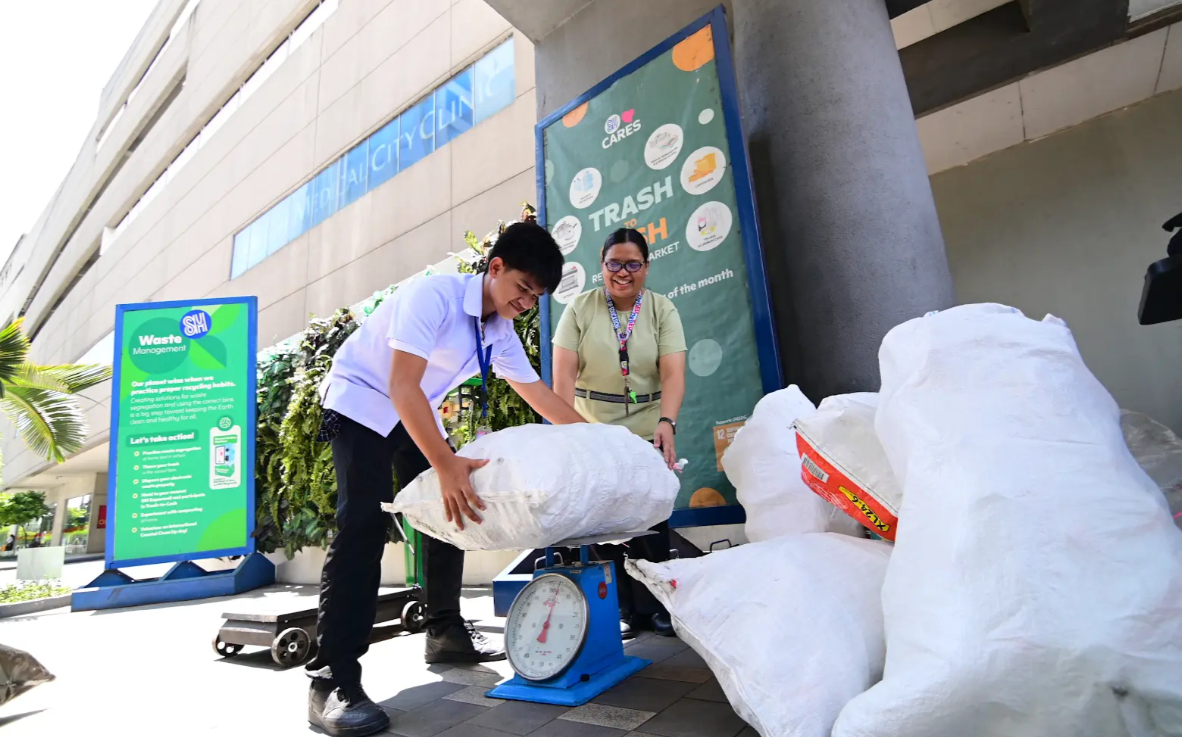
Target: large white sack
549 483
1159 451
1035 589
764 466
845 464
791 627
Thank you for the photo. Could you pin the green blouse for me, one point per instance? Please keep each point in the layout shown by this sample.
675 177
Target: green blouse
586 328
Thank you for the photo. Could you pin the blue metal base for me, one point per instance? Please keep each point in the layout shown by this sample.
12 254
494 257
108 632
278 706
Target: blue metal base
519 689
183 582
509 583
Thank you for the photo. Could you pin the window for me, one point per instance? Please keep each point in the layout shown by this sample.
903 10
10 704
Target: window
178 24
383 154
453 107
495 83
450 110
273 62
101 352
418 133
353 173
313 21
324 193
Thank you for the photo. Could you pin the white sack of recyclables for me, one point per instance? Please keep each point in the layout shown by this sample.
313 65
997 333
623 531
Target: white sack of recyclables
549 483
791 627
842 429
1035 588
763 464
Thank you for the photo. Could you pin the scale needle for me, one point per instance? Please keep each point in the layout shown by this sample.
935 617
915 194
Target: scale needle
546 625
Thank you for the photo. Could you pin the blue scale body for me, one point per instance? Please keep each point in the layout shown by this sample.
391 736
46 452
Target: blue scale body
601 662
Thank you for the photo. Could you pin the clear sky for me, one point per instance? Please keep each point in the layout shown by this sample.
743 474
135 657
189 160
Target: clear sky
55 58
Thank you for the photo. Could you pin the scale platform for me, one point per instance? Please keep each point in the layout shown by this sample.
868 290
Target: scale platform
573 659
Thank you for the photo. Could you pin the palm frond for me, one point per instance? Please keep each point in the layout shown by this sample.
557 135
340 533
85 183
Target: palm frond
66 378
51 423
14 350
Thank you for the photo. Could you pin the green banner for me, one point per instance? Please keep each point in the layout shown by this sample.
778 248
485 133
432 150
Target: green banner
183 430
651 152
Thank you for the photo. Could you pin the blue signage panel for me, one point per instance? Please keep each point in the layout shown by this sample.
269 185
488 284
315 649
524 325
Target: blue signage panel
473 95
238 263
278 225
453 107
383 154
417 137
324 193
300 212
495 83
353 173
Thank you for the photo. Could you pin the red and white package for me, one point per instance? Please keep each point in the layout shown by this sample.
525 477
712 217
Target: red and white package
843 462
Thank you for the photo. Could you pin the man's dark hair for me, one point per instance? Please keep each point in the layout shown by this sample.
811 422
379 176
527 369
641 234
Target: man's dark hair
529 248
625 235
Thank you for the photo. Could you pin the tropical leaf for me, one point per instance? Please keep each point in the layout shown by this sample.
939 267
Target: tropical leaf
14 350
50 422
66 378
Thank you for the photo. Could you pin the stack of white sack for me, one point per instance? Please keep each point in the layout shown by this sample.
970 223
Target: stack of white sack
843 461
1035 588
792 627
1159 451
763 464
545 484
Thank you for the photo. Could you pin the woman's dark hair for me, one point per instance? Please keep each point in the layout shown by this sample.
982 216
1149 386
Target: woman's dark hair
625 235
529 248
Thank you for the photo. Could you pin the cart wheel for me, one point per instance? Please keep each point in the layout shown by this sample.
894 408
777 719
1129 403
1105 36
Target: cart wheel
225 649
291 647
414 615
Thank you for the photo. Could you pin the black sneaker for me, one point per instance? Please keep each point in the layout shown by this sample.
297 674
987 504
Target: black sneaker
461 643
663 625
344 711
627 632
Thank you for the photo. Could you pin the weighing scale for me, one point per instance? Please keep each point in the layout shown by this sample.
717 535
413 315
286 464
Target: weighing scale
562 636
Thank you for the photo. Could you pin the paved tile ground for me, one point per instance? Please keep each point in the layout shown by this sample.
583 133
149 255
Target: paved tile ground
152 670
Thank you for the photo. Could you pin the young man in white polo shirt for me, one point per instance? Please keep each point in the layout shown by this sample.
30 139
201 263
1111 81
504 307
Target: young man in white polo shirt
380 403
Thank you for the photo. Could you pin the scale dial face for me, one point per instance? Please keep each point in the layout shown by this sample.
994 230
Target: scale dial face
546 628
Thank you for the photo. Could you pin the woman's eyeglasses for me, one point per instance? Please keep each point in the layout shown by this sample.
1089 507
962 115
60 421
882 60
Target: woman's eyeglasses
630 266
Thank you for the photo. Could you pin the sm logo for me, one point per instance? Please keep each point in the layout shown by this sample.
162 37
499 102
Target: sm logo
195 324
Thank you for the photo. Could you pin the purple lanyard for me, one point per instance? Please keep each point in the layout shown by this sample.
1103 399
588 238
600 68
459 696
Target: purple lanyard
621 334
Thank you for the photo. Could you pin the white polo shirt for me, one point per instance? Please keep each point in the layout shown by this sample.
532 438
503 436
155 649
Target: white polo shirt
435 318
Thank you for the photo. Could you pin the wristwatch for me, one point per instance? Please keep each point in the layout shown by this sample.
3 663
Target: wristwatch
672 424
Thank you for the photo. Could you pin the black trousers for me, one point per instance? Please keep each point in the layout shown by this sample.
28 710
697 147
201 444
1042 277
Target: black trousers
635 598
352 571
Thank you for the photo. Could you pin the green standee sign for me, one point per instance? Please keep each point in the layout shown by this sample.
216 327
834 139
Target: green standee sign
658 147
181 475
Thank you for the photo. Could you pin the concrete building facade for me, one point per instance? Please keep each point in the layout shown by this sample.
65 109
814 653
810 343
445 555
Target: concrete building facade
222 110
1037 145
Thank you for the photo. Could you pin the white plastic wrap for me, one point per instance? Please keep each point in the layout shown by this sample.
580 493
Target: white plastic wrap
546 484
764 466
791 627
840 435
1035 589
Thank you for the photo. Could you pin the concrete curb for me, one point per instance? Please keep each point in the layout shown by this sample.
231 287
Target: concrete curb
16 609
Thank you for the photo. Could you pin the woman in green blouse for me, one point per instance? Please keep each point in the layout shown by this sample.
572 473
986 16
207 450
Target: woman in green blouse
619 358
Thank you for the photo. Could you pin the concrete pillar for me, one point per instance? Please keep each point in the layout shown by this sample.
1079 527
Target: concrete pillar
849 226
96 541
59 516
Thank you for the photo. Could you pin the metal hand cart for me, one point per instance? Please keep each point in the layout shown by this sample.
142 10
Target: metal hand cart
291 635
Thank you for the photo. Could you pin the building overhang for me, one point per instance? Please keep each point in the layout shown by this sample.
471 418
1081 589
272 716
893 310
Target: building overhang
982 53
